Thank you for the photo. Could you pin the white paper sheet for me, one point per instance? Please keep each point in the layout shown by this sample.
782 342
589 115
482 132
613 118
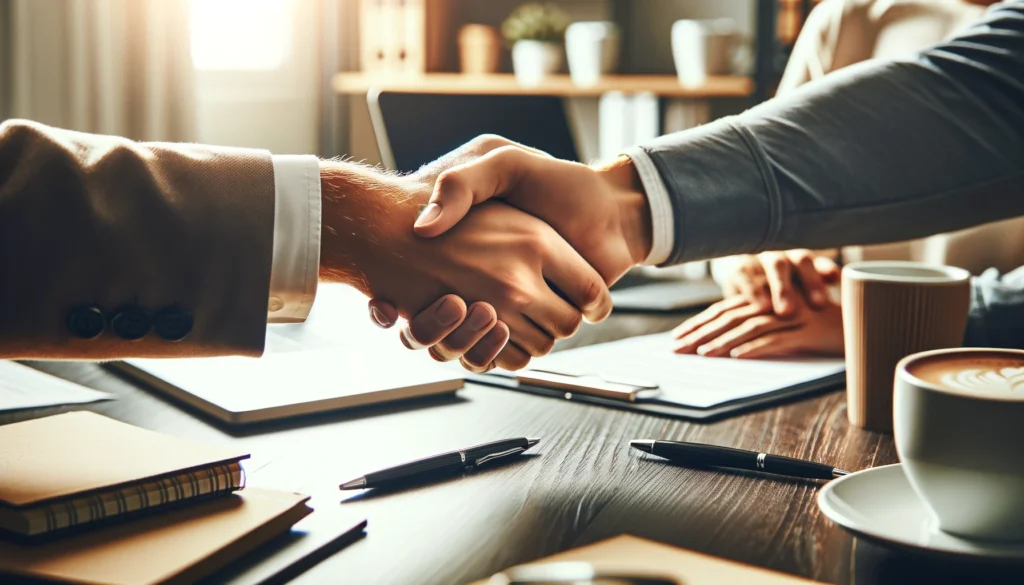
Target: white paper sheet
24 387
689 380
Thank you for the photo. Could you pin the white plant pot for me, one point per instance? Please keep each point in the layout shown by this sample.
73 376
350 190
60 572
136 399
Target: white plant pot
535 60
592 49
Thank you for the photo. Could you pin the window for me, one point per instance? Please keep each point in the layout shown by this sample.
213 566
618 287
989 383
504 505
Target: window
241 35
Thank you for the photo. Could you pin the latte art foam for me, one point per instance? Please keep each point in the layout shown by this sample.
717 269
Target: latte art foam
980 372
1004 380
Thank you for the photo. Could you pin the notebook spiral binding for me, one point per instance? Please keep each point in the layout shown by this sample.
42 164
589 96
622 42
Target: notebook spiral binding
78 510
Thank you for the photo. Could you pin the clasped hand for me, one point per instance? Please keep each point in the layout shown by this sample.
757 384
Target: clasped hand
598 213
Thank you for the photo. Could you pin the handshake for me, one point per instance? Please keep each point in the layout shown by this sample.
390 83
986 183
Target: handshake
492 252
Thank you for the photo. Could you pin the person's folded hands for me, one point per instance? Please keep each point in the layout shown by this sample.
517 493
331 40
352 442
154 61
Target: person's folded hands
779 282
738 327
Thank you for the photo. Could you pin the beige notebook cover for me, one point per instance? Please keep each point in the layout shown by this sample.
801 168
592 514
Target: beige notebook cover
174 547
77 452
631 554
69 471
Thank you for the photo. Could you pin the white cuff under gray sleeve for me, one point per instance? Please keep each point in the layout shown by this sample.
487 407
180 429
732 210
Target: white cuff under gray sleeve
662 222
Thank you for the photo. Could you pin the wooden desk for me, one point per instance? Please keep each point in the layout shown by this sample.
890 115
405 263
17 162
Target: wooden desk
584 484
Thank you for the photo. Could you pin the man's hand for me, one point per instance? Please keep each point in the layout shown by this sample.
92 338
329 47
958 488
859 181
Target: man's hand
602 212
499 255
470 337
449 332
780 281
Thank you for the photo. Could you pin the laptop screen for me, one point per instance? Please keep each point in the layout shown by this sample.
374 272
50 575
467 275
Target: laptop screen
422 127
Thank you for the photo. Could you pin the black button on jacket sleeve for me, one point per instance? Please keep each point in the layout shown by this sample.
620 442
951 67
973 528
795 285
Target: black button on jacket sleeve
86 322
172 324
131 323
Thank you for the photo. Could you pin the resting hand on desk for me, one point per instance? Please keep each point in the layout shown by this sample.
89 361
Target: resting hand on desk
737 327
779 281
777 304
601 211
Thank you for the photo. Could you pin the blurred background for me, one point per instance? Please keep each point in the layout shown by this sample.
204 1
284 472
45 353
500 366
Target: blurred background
294 76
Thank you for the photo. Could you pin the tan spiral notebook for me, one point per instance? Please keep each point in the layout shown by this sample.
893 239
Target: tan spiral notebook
632 555
71 470
174 547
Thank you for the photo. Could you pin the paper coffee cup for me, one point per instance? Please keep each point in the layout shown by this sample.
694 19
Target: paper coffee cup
892 309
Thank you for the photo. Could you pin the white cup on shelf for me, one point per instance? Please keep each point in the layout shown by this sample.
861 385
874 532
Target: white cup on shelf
703 47
592 49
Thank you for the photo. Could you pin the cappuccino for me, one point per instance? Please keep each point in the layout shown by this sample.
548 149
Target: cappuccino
990 373
957 419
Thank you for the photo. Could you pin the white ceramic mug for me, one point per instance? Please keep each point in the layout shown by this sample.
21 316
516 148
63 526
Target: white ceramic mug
961 448
534 61
703 47
592 49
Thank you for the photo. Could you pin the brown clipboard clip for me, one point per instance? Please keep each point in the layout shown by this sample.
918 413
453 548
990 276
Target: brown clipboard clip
593 384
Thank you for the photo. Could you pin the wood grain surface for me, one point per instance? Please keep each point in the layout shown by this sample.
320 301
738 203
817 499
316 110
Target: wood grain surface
582 485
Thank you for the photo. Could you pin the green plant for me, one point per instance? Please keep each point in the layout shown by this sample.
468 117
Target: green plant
535 22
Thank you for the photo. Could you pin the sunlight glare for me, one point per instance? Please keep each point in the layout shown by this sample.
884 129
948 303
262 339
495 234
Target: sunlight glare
240 34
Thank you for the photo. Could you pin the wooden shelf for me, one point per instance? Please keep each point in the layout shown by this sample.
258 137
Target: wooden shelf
560 85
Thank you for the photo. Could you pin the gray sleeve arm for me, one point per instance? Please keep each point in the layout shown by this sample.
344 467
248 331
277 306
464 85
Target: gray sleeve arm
876 152
997 310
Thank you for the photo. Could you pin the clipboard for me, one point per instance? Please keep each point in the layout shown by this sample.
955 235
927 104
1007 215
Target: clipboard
603 387
658 409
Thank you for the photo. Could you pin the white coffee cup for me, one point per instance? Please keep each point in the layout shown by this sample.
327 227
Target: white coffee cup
592 49
703 47
961 438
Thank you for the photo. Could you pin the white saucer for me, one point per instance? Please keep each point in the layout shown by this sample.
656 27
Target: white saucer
879 504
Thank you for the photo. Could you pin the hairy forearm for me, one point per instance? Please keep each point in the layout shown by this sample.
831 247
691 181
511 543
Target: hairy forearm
359 204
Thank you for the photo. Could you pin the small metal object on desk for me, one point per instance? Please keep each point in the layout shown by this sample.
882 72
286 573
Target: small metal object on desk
573 573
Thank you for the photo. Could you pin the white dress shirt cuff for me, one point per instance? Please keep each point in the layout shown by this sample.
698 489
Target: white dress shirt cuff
662 220
295 268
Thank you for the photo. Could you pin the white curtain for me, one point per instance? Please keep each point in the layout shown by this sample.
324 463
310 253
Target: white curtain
105 66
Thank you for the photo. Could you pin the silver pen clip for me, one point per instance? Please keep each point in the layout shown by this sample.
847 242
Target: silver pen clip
573 573
498 455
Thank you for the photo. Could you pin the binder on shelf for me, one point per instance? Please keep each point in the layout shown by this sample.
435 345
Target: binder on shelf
372 50
407 37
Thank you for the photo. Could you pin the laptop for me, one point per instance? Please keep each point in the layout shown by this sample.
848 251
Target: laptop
413 129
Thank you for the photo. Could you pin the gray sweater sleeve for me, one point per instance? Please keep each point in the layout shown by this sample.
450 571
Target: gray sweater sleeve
877 152
997 310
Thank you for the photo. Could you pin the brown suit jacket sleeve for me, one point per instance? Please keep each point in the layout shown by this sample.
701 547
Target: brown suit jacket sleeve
158 240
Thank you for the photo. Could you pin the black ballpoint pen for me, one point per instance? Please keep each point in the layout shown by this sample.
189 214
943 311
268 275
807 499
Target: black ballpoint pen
713 456
451 461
